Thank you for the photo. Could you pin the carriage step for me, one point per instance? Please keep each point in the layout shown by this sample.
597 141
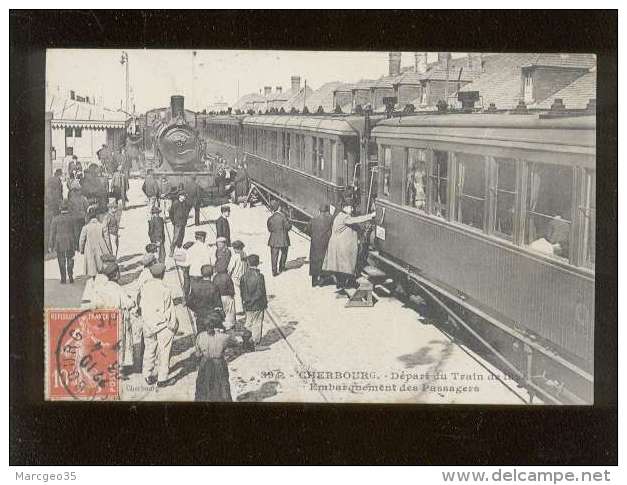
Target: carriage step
374 273
362 297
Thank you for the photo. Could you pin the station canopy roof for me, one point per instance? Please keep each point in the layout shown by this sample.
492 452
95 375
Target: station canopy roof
70 113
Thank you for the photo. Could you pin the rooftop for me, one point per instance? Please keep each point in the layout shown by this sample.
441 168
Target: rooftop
70 112
574 96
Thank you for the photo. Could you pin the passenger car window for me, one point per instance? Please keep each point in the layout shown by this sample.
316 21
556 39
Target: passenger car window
386 173
439 184
416 178
549 203
589 213
471 189
505 190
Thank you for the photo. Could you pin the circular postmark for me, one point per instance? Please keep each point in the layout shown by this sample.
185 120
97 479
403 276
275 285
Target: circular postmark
85 347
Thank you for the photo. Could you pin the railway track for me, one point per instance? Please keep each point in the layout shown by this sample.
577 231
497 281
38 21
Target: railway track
473 355
271 315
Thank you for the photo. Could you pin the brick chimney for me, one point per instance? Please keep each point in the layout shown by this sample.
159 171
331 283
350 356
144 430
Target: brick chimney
295 84
475 62
267 90
443 59
394 64
420 62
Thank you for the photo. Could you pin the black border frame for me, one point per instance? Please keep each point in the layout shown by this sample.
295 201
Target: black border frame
45 433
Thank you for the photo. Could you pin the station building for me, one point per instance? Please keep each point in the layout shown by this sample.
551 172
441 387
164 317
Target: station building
76 125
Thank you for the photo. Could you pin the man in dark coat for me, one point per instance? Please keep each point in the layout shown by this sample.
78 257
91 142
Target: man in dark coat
53 198
320 230
192 189
204 297
179 212
63 241
279 241
151 189
254 298
223 229
156 232
54 192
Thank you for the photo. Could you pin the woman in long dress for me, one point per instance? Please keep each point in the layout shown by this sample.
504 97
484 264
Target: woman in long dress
341 257
212 382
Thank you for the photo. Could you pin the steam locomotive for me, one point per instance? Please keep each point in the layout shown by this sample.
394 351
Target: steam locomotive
175 151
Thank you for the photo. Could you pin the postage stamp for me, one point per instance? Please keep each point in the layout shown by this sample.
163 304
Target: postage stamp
82 354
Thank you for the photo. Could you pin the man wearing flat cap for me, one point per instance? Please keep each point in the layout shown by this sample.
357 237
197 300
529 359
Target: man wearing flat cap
223 229
320 230
198 255
156 231
159 326
204 299
148 260
110 294
254 298
279 227
179 212
223 255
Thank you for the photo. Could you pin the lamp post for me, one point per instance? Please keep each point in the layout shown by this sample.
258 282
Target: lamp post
124 62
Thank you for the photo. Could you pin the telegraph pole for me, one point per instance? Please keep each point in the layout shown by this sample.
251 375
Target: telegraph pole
193 103
124 62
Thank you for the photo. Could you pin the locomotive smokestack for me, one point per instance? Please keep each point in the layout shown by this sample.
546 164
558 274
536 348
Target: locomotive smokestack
177 105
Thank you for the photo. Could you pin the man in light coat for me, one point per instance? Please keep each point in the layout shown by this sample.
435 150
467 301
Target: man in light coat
341 257
110 294
159 326
92 244
198 255
237 267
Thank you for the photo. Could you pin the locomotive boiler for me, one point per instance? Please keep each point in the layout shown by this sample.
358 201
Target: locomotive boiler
176 143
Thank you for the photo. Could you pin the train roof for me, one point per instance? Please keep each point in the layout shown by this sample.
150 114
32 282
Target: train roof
481 120
333 125
223 119
525 136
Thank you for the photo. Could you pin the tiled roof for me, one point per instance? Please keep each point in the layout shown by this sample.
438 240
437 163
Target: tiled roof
364 84
574 96
247 98
386 82
64 109
576 60
500 83
323 96
278 96
411 77
296 101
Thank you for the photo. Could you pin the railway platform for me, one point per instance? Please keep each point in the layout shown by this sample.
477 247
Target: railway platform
315 348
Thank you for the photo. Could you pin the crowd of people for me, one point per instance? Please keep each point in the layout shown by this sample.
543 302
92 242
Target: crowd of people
222 286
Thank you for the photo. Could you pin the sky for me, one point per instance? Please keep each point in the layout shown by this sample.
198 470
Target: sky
155 75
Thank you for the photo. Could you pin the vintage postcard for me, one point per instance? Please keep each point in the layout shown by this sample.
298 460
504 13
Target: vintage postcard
320 226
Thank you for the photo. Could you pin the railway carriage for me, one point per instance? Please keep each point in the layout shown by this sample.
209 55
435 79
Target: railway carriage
305 161
223 136
496 215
